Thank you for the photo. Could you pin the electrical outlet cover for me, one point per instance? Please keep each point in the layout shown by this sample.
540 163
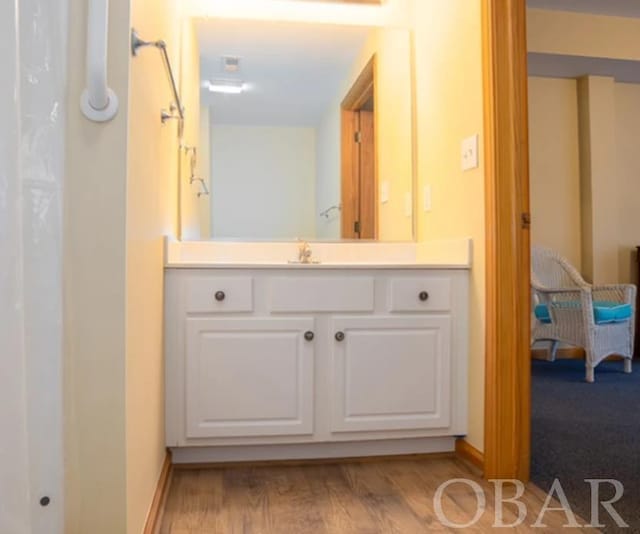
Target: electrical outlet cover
470 153
426 199
384 192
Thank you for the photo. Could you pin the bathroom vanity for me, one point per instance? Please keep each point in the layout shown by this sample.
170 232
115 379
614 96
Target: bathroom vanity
272 360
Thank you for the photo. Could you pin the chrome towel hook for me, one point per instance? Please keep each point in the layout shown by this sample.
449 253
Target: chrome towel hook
192 153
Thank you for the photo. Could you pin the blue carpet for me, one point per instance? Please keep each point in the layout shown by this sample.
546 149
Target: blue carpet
582 430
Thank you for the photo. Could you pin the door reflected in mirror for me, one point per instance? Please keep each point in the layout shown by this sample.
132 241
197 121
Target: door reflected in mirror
306 130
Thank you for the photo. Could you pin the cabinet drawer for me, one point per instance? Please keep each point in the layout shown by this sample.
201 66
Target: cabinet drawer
419 294
330 294
219 294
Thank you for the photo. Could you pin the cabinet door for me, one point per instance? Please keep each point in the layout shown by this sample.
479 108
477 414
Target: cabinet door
391 373
248 377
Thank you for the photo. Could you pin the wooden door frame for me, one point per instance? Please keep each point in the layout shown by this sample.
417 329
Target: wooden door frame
362 89
507 446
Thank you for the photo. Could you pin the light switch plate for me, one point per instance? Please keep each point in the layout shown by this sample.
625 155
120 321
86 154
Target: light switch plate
384 192
408 204
426 198
470 153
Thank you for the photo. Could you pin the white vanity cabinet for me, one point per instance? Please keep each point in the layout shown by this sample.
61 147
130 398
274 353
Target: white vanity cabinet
312 361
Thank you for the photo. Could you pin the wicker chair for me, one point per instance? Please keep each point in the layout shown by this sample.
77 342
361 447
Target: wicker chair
565 311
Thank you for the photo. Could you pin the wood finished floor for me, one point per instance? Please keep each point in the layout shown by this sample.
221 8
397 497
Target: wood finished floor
372 497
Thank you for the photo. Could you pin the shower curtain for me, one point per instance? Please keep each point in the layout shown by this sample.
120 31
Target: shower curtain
32 87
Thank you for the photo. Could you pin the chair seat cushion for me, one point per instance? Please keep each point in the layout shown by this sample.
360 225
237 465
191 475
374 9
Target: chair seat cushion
604 312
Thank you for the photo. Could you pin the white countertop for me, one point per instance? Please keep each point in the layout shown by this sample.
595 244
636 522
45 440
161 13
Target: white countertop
450 254
264 265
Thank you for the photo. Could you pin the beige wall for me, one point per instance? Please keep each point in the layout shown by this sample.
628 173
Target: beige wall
608 133
595 221
151 213
598 181
448 53
120 199
194 209
555 166
94 291
281 171
393 108
328 172
580 34
586 194
627 120
204 171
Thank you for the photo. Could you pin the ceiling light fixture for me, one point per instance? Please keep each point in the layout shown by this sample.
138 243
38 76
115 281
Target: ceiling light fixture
230 87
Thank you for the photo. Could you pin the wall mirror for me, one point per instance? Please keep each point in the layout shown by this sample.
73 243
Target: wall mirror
305 130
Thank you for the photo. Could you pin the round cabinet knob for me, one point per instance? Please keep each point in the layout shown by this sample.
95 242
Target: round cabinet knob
220 296
308 335
423 296
339 336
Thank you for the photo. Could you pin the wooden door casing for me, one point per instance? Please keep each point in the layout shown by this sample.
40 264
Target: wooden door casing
507 410
367 150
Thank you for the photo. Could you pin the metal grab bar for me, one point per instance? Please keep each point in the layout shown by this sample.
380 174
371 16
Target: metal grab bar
176 105
98 102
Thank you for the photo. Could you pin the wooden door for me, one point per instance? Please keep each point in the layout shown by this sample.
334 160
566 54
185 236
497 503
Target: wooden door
350 183
358 155
358 175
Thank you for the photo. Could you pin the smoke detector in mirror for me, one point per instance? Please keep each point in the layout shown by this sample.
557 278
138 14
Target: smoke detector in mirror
230 87
230 63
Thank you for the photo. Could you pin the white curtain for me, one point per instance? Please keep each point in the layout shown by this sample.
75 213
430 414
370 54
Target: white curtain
32 89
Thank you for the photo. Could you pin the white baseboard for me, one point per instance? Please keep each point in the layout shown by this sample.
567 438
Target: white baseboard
312 451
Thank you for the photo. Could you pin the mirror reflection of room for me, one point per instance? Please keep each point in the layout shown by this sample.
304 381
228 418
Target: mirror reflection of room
305 130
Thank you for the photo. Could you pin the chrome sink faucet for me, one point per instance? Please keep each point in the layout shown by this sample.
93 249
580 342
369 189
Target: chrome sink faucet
304 252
